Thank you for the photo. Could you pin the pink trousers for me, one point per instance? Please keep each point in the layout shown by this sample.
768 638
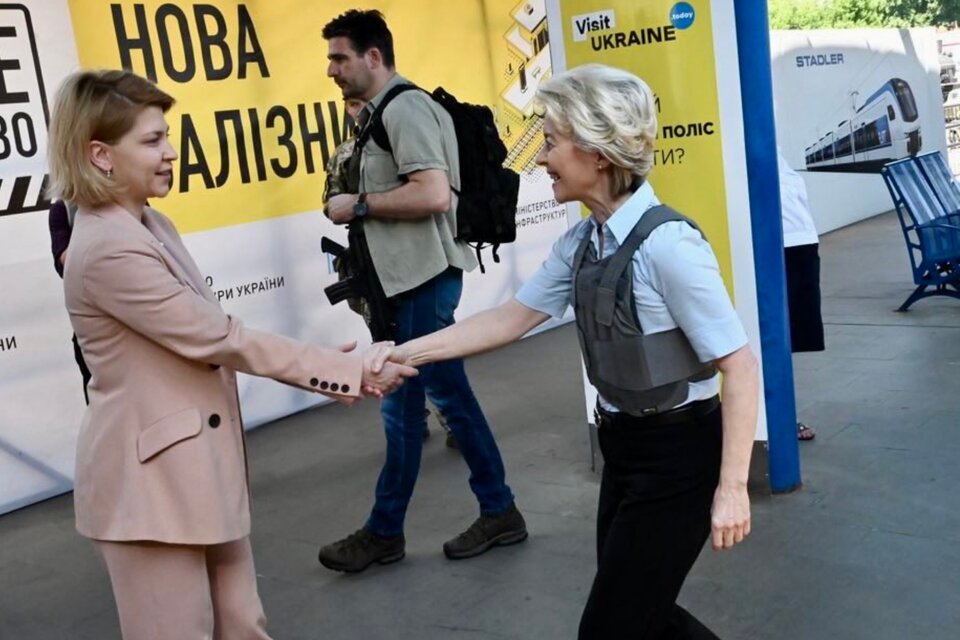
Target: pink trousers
185 592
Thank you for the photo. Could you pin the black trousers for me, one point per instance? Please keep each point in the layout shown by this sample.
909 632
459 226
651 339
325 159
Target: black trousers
803 297
653 520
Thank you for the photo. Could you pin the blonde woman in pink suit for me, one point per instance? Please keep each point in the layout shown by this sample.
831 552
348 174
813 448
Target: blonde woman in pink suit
161 476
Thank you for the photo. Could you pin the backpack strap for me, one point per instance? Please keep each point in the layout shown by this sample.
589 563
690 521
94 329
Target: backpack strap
494 249
374 127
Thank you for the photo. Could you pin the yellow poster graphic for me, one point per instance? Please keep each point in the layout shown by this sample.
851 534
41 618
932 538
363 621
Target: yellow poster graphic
257 117
670 45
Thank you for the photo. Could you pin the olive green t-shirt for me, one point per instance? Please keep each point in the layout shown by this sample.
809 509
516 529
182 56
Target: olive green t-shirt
407 253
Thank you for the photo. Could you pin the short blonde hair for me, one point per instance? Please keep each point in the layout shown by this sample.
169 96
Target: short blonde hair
608 111
94 105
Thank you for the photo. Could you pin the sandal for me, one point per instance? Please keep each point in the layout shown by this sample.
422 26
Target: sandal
805 433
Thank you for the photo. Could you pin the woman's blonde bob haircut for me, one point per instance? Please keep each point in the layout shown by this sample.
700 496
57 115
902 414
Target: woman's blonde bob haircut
608 111
94 105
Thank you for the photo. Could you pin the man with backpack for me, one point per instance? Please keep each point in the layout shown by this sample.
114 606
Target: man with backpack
406 198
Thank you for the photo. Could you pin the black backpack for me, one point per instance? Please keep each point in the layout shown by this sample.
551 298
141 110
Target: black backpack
487 204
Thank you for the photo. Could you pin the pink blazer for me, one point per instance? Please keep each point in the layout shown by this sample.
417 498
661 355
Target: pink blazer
161 453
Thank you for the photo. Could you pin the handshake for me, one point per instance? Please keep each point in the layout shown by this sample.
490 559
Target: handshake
384 369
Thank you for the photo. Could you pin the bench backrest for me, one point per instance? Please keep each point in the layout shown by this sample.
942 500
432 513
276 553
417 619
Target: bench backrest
935 166
911 189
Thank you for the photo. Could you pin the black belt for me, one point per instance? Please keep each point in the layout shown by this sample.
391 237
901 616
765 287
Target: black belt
687 412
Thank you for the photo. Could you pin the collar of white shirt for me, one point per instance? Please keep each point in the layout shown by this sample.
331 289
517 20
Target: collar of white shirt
624 219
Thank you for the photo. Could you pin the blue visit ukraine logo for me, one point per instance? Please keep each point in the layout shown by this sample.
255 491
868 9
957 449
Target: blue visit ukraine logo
682 15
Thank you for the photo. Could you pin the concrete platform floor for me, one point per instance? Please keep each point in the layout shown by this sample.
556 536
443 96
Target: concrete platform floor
867 550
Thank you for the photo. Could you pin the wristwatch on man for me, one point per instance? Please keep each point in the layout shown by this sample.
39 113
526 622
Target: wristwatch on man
360 208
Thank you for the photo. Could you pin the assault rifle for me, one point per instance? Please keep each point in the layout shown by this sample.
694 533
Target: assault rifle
359 284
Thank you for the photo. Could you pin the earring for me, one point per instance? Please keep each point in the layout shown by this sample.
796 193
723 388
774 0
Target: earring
109 173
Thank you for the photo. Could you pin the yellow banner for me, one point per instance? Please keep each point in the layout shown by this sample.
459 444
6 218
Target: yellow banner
256 116
670 45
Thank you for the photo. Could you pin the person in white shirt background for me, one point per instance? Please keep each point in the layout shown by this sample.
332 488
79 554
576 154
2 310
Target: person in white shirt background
802 259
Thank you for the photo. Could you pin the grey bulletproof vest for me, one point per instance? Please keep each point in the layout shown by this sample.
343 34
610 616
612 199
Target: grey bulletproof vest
639 374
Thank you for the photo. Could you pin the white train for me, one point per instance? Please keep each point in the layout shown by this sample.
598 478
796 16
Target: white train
885 128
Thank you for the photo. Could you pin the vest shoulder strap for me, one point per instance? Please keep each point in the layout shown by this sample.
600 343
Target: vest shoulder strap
650 220
582 249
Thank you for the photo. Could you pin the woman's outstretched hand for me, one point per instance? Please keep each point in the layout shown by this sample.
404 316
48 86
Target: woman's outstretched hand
384 369
383 352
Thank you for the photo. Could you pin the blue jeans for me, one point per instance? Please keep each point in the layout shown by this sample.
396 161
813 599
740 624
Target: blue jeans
424 310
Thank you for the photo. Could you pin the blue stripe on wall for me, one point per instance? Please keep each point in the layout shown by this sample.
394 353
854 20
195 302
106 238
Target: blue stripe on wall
756 85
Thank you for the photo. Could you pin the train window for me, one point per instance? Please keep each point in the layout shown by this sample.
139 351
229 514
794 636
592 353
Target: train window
843 146
871 136
891 113
908 106
883 131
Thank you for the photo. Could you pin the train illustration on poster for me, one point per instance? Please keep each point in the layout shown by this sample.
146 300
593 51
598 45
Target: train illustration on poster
849 101
884 128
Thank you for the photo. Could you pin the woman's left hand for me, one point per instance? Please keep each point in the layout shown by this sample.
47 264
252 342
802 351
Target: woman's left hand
730 516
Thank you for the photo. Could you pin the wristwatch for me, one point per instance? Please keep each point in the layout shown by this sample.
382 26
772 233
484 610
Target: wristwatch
360 209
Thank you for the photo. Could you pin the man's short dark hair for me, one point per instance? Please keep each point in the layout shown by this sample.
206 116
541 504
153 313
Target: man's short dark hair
365 30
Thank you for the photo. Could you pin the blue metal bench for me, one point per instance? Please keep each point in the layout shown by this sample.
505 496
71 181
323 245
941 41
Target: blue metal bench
927 199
